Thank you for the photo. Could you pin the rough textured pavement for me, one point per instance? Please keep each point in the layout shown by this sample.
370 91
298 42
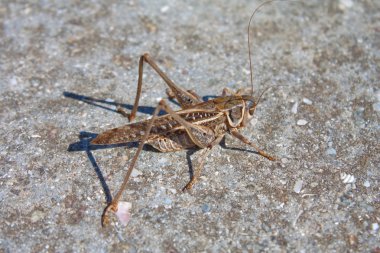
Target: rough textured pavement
66 64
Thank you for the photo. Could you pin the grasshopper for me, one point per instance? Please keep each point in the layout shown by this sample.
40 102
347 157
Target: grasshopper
199 124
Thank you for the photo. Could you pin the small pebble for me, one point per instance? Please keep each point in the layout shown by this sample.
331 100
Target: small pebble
284 160
206 208
331 151
109 100
164 9
347 178
14 81
298 186
366 184
123 213
172 190
344 4
301 122
136 173
294 108
307 101
374 227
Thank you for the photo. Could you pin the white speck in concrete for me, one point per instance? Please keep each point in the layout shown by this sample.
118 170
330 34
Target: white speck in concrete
374 227
307 101
109 100
164 9
136 173
301 122
13 80
331 151
298 186
344 4
347 178
366 184
172 190
294 108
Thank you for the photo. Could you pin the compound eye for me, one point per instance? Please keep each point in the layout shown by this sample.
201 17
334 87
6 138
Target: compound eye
236 114
250 104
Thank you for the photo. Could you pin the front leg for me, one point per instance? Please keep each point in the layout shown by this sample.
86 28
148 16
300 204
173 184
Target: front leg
238 135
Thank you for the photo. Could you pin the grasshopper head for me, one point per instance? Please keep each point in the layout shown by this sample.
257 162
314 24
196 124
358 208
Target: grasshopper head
250 107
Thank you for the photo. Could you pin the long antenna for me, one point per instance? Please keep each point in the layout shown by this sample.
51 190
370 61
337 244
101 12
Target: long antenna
249 42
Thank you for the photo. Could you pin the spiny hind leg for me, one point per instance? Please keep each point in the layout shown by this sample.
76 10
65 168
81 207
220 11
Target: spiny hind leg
185 98
113 206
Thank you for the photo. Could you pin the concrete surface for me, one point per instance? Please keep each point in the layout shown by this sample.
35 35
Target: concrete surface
64 63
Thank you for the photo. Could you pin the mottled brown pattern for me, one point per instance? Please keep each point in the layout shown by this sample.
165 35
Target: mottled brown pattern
163 126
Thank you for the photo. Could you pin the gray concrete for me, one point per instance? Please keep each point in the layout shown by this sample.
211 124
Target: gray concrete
63 63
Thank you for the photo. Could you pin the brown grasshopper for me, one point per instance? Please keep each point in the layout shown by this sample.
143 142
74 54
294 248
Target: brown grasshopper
199 124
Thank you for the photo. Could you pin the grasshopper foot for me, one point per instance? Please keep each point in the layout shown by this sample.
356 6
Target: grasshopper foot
271 158
110 207
189 185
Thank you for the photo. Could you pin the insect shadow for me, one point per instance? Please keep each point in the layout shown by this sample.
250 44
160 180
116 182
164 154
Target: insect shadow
107 105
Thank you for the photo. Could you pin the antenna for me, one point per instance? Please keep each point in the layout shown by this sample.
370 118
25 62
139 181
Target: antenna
249 42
